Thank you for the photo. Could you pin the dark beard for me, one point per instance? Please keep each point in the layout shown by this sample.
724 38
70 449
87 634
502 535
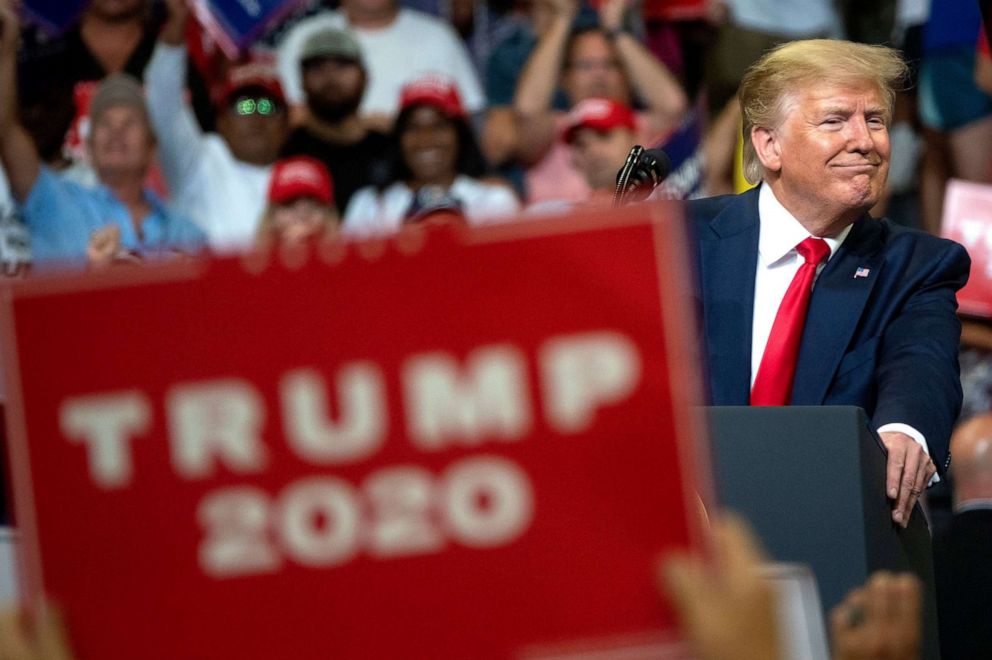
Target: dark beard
333 112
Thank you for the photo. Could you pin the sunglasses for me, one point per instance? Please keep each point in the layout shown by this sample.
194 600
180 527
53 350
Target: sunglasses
244 106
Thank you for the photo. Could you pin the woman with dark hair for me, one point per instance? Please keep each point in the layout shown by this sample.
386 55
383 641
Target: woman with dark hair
438 166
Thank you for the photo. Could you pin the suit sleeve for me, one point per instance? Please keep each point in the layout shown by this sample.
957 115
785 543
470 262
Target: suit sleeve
917 375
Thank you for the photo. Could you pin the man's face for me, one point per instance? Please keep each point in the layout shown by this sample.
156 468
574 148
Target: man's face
254 125
333 87
831 151
121 142
598 156
430 146
593 70
301 220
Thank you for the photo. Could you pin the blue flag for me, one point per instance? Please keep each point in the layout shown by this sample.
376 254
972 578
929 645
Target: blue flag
235 24
54 16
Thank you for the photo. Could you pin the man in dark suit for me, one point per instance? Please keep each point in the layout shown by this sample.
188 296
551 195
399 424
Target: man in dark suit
962 554
808 300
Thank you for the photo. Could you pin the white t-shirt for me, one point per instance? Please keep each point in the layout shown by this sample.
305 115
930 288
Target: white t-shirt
413 45
223 195
796 19
370 213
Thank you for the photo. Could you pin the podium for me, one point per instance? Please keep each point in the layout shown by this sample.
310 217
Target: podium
811 481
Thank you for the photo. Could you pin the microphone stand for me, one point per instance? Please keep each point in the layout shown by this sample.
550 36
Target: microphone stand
623 176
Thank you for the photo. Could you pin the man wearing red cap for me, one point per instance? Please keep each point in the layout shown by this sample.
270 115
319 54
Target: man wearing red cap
218 180
599 62
600 133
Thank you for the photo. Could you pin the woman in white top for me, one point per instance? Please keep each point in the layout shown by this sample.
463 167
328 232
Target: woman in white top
438 159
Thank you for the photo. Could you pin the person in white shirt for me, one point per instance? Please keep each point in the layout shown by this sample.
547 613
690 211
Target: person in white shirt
219 180
399 45
438 157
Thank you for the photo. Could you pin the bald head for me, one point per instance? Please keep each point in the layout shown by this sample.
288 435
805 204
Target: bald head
971 446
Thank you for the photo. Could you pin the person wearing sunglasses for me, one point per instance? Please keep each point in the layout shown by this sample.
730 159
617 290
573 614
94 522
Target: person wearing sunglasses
220 180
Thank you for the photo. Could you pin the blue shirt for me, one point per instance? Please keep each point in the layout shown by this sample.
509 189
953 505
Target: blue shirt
62 215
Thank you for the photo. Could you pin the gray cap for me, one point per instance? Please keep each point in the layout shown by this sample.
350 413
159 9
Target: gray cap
332 42
118 89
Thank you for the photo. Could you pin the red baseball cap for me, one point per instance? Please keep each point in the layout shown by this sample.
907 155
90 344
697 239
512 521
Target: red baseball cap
598 114
300 176
435 90
258 75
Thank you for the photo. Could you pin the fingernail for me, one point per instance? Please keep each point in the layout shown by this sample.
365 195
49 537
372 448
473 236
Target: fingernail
897 516
892 492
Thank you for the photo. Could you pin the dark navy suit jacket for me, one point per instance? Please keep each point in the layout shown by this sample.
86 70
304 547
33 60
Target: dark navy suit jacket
886 340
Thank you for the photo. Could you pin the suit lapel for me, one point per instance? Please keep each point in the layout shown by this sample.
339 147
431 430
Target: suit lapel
729 256
835 308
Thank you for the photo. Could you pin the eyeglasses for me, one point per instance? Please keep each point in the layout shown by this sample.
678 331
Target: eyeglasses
247 105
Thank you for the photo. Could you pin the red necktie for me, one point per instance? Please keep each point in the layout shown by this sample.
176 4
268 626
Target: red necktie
773 385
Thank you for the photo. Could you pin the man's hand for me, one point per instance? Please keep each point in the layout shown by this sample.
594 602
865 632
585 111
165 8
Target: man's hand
45 640
879 621
908 471
727 609
612 14
104 245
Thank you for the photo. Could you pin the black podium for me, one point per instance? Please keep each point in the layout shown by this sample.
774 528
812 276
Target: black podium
811 481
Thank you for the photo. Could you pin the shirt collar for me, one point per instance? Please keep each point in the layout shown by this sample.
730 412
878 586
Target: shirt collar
780 232
154 201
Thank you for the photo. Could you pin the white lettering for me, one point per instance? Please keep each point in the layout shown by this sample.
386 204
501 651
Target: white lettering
402 499
319 522
487 501
363 419
489 400
236 522
105 423
584 372
220 421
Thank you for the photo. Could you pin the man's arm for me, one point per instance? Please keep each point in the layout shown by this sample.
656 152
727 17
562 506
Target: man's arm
180 139
652 82
534 117
18 153
918 380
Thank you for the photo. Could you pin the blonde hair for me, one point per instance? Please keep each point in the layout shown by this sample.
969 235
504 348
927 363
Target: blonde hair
786 70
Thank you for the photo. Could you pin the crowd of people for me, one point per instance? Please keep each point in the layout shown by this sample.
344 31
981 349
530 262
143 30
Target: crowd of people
133 137
484 110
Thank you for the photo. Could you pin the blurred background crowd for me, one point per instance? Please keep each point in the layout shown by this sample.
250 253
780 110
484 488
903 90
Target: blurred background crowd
133 137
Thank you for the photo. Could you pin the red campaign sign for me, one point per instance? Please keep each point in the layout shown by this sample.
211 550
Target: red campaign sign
968 220
448 445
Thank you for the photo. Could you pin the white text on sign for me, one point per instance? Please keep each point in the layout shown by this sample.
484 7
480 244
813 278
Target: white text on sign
482 501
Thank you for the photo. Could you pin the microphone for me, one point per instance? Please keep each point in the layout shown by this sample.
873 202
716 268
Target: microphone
643 170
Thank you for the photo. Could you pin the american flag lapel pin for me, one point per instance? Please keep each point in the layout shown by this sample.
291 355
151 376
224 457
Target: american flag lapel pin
861 272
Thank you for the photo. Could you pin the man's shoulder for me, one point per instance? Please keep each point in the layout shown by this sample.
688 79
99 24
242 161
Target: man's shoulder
707 207
920 244
739 212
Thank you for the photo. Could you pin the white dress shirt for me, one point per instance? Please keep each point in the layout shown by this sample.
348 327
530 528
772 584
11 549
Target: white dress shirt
778 262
